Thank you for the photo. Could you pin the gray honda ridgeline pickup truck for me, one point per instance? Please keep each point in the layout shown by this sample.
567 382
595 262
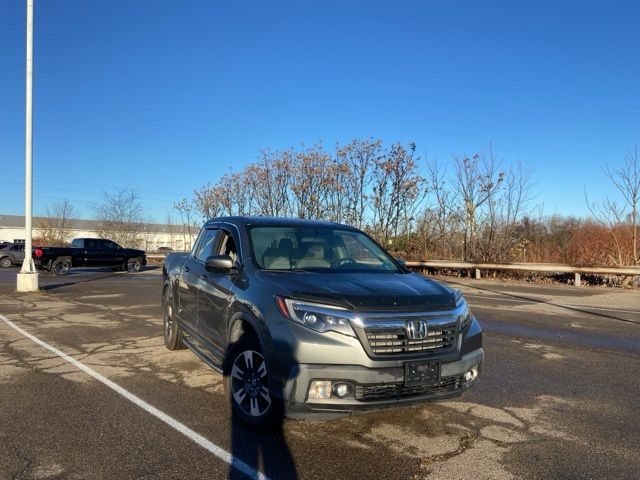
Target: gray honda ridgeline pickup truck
314 319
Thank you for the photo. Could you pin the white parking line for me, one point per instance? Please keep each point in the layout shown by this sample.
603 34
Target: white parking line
219 452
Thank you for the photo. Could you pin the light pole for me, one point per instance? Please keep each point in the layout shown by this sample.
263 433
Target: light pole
28 276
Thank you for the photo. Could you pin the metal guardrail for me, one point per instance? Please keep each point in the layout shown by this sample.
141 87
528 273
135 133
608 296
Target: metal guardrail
524 267
477 267
156 256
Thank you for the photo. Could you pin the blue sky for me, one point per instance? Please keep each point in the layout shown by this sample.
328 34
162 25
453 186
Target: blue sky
164 96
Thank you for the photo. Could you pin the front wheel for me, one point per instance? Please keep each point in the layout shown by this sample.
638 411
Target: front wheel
134 264
247 383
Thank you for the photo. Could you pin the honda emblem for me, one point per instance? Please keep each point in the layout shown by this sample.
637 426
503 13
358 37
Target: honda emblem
416 329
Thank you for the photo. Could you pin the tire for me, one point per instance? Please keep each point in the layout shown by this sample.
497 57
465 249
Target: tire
246 382
134 264
6 262
171 331
60 266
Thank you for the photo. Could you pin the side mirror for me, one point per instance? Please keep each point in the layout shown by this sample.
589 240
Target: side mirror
219 264
402 262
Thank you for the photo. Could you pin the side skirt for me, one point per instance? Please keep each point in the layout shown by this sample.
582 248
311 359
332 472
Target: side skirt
204 357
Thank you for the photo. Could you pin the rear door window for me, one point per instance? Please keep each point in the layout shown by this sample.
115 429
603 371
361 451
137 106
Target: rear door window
109 245
92 244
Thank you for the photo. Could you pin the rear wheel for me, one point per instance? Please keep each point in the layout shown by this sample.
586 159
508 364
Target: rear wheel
247 383
60 266
134 264
6 262
172 332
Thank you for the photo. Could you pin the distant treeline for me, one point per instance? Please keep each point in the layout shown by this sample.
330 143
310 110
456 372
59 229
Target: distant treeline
474 207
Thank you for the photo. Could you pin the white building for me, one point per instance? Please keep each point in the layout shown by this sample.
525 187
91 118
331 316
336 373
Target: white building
156 235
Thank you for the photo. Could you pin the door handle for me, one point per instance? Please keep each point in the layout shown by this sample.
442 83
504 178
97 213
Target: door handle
203 277
185 269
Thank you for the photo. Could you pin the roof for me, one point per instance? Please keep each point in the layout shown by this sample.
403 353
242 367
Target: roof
275 221
17 221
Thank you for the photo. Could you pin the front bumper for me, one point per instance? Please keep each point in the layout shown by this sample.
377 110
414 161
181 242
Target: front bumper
373 388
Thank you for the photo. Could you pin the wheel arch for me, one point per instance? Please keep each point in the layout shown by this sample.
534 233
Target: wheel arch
241 323
168 285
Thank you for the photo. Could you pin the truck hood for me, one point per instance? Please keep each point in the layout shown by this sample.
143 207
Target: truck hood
364 291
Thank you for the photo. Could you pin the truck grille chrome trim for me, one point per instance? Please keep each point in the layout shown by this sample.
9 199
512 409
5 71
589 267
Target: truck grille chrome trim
387 334
388 341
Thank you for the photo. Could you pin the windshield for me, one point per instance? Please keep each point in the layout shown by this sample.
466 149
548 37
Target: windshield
322 249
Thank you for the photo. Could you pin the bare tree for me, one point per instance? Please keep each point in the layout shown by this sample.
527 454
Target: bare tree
621 219
231 195
56 228
477 179
360 157
506 206
472 211
627 181
120 217
310 182
398 189
188 218
270 181
610 215
241 193
207 201
438 226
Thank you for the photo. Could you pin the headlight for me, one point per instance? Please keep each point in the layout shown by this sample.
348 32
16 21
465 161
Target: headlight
465 317
315 316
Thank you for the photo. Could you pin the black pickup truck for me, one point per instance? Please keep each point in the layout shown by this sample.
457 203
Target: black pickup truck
89 252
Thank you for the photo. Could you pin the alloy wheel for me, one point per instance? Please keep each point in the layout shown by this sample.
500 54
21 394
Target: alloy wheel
168 319
60 267
133 265
249 383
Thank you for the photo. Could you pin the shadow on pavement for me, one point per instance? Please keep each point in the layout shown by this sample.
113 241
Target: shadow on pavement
250 444
81 276
53 286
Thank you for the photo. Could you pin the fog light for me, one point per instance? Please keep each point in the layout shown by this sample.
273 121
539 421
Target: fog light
320 389
471 374
342 390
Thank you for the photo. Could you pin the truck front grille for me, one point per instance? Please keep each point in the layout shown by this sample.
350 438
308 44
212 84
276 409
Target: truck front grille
390 391
390 341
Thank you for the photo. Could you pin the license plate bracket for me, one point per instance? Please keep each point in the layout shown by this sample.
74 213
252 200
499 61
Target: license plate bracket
424 372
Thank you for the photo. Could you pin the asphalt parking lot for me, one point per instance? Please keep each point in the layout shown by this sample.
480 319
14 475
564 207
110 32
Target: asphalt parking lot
558 398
